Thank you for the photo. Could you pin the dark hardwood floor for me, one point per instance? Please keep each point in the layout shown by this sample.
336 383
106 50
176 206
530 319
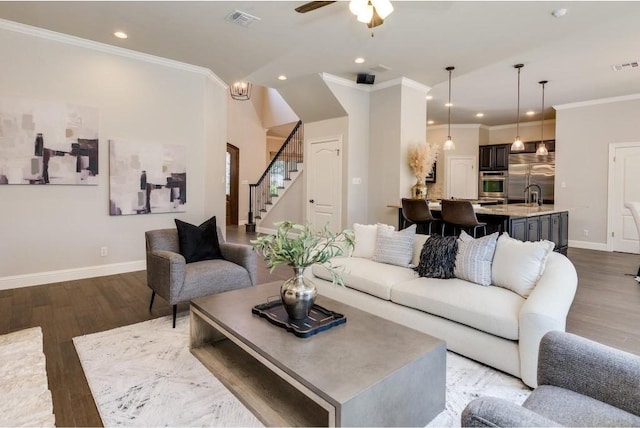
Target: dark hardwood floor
606 309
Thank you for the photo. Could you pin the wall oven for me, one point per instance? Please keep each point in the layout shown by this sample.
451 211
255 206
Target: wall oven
493 185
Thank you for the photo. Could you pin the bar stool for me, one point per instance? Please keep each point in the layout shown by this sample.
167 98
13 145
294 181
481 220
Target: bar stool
460 214
416 211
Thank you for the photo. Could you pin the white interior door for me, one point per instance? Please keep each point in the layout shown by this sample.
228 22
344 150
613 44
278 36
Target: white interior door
461 177
624 186
324 183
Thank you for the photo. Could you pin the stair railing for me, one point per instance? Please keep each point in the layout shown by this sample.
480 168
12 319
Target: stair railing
279 170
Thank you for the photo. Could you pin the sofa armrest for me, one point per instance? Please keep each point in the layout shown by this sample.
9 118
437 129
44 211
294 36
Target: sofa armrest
496 412
590 368
243 255
545 310
165 273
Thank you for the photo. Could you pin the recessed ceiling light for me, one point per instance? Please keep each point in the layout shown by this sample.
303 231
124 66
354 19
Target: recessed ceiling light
479 114
559 12
429 97
448 105
430 122
359 60
120 34
282 77
530 113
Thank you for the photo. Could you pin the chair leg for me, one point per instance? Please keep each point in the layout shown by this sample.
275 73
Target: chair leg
153 295
175 311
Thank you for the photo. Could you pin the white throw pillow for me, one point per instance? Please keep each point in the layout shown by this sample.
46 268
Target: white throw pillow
518 265
418 243
365 236
395 248
475 257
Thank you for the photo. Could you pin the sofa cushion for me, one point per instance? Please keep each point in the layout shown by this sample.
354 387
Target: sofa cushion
366 275
519 265
395 248
365 239
569 408
493 310
474 258
438 257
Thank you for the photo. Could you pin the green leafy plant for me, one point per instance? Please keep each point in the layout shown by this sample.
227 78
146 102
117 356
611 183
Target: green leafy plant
299 246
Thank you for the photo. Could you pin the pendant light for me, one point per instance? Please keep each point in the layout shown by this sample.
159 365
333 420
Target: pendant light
518 145
449 145
542 149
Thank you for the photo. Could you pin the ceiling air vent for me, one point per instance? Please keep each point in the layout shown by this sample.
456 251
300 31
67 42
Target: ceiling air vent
241 18
625 66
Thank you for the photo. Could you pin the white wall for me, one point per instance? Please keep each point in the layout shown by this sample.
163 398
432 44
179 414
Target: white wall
54 233
584 132
466 139
275 109
529 131
245 131
355 101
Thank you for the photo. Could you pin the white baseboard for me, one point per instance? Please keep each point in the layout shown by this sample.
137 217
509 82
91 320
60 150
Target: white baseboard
588 245
39 278
265 230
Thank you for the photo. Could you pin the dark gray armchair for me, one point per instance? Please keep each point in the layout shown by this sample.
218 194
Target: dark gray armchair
176 281
580 383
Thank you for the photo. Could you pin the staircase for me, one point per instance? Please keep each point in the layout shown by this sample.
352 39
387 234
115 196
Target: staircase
285 166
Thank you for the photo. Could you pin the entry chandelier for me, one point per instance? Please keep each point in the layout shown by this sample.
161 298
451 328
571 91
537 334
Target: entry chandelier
240 90
518 145
371 12
542 149
449 145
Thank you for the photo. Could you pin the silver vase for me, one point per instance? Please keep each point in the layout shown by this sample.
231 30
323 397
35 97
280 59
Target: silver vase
298 294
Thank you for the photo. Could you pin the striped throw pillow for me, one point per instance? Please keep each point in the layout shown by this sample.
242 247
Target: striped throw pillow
475 258
395 248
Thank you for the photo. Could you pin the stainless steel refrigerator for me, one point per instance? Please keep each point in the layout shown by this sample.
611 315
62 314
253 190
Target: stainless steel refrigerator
529 168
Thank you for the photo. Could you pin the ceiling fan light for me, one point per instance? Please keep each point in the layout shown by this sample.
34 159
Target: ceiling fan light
449 144
383 7
366 14
357 6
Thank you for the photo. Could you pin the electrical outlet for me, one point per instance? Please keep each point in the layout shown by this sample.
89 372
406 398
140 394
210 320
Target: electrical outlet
586 232
104 251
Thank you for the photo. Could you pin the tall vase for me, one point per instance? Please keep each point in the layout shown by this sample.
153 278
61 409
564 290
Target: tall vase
419 190
298 294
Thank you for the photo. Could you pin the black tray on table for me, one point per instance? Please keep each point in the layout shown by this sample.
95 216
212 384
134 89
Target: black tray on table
319 318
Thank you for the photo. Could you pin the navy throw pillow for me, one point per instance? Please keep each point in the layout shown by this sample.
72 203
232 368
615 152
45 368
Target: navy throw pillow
438 257
199 243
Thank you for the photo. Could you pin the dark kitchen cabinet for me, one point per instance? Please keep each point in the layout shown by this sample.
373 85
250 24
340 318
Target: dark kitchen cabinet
551 227
494 158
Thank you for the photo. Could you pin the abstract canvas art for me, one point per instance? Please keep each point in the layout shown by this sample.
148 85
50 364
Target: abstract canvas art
146 178
47 142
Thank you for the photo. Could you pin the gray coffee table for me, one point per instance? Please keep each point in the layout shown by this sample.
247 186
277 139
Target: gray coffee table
367 372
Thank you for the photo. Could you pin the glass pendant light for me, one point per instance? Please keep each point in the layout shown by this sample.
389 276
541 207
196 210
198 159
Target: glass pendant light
449 145
542 149
518 145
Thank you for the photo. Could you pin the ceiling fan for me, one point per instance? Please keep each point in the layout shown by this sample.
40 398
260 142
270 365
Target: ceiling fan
370 12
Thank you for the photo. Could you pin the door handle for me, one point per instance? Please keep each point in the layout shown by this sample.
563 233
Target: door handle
312 201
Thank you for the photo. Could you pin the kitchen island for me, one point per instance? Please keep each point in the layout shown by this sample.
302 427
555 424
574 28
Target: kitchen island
526 222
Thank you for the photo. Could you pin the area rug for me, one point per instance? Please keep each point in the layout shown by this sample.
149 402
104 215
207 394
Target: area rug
144 375
25 399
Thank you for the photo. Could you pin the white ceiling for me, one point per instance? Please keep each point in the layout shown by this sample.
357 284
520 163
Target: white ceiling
483 40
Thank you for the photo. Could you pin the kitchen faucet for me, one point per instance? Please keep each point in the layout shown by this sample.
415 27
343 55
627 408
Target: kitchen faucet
526 189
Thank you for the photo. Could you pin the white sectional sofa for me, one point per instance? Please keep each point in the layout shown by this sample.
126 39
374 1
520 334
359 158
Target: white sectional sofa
489 324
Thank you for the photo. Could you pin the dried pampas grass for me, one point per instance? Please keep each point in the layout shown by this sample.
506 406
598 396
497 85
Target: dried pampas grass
421 159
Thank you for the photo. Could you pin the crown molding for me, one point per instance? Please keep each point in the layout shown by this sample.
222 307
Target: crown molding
522 124
105 48
327 77
597 102
402 81
458 126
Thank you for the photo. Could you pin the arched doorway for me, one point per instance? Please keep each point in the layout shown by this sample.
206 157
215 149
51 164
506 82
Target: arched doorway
233 165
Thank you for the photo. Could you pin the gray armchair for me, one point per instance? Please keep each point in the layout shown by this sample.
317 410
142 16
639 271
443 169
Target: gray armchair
176 281
580 383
